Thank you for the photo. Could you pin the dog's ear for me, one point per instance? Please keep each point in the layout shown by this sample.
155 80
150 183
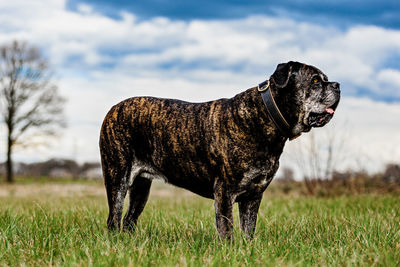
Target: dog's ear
282 74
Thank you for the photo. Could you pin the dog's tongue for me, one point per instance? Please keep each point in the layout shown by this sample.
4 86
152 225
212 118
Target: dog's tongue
330 111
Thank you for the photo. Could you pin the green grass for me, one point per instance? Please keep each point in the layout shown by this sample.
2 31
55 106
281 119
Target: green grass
37 180
180 230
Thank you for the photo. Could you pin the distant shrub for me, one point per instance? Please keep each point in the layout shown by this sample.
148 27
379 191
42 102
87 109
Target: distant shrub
344 183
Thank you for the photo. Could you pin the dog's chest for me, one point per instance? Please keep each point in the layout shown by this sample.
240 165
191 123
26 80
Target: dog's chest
256 180
255 177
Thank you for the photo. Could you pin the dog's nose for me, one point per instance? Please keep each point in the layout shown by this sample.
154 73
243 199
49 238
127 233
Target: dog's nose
336 86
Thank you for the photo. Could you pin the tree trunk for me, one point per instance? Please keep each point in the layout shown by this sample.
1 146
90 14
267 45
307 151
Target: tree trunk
310 186
9 165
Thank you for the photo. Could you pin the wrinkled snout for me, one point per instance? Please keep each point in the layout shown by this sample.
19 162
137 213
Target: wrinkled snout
335 87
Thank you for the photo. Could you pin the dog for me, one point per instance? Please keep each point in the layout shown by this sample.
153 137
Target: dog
227 150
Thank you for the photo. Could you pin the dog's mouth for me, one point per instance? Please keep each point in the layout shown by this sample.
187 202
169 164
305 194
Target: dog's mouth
320 119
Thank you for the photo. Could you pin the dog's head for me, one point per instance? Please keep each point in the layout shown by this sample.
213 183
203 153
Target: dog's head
304 95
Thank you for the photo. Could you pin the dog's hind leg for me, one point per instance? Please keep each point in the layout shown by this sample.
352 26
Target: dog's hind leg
138 195
116 171
117 155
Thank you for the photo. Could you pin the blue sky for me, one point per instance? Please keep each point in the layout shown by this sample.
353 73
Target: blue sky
339 13
105 51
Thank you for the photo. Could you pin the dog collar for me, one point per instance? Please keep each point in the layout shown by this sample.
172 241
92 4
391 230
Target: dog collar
273 110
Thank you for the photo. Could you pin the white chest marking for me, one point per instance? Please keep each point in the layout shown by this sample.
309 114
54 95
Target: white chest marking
254 174
145 171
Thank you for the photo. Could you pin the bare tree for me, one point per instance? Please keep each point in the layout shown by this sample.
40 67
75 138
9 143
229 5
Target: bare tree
30 104
318 154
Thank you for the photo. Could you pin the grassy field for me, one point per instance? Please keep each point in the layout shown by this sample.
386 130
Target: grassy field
53 224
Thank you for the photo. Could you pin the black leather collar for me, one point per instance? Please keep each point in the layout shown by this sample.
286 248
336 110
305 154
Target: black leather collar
273 110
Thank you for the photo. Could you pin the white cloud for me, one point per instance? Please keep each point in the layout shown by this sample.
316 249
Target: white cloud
258 43
207 59
389 79
84 8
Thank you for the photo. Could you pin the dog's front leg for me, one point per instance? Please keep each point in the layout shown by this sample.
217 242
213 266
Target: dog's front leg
223 203
248 210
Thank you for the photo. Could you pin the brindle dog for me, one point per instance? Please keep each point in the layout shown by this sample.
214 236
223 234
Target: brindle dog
227 150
